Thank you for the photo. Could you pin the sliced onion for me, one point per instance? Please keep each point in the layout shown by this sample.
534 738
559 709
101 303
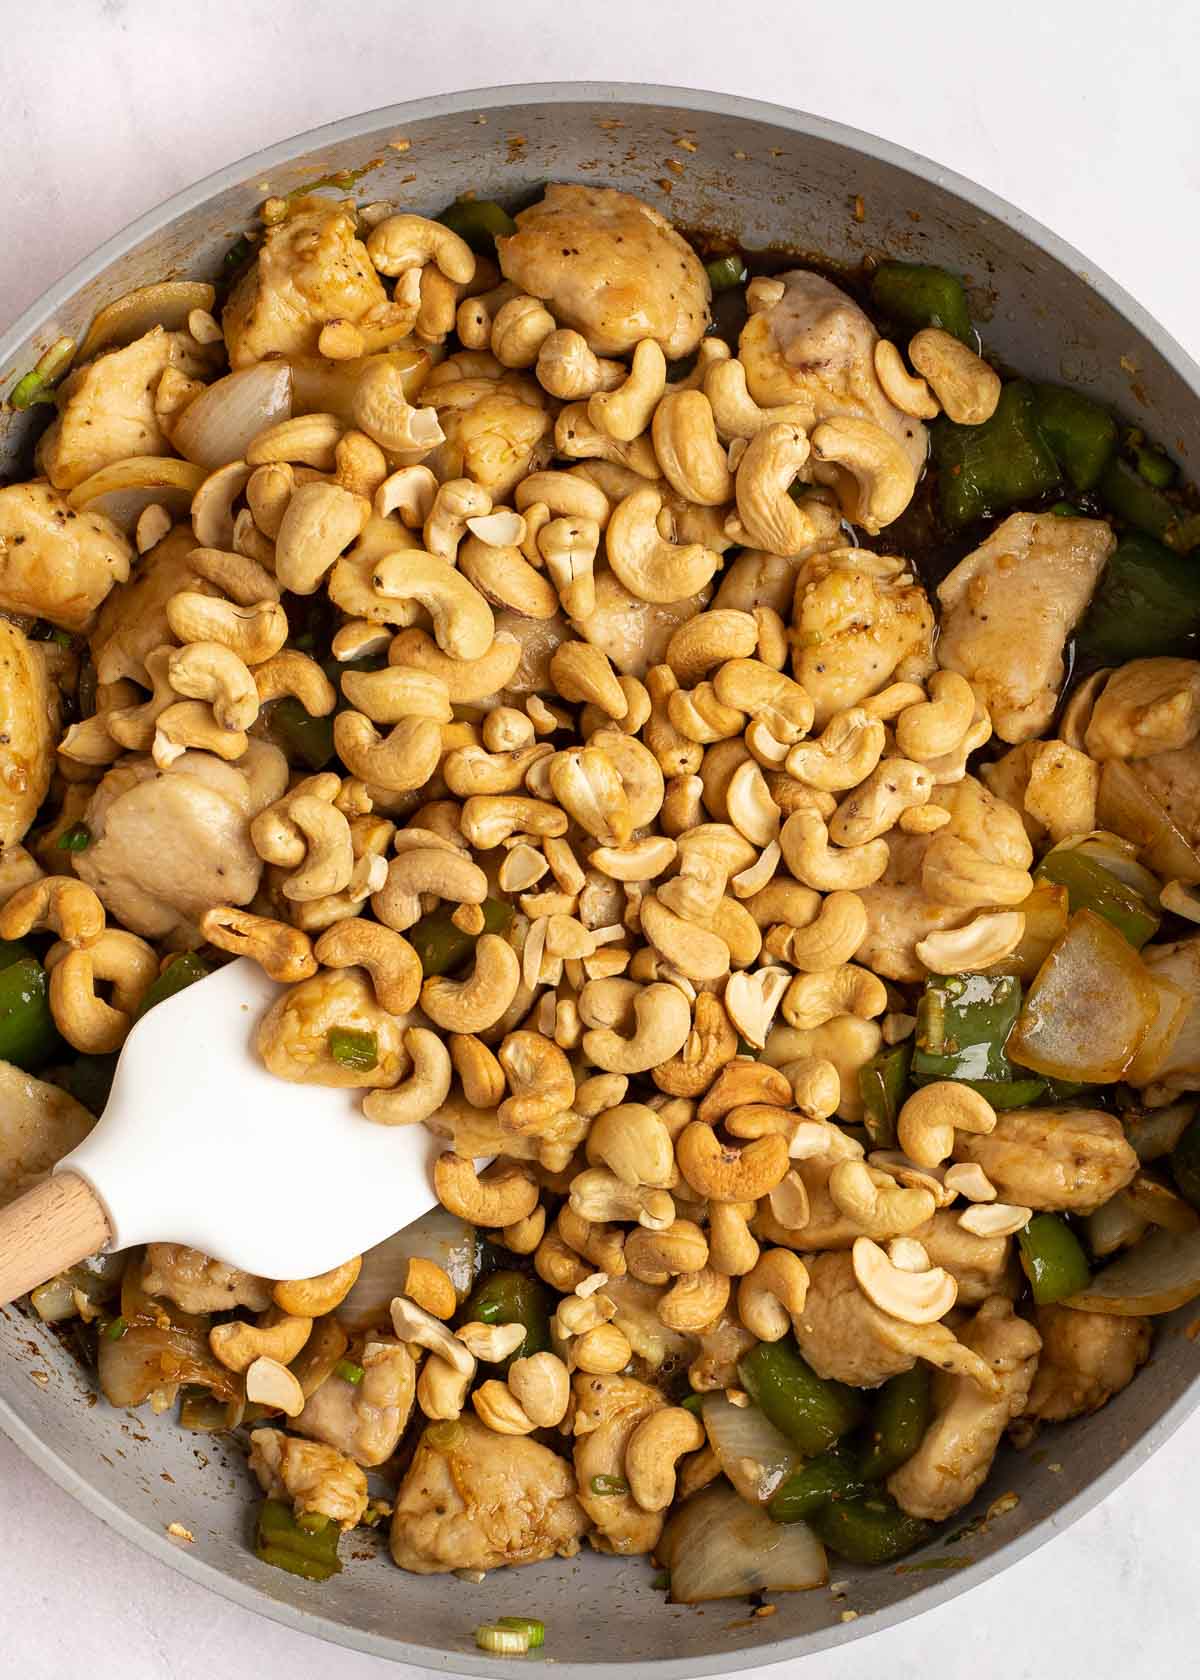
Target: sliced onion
218 426
1046 912
1173 1004
1179 1065
437 1235
717 1546
95 1281
1089 1009
752 1452
1154 1132
1124 805
1160 1274
150 1357
637 1316
122 490
1115 1225
1157 1203
167 304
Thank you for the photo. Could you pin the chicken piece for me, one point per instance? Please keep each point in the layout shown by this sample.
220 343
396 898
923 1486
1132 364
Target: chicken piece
310 269
952 1462
846 1338
313 1476
483 1501
292 1037
167 845
133 621
364 1420
1173 779
860 622
715 1364
29 720
199 1284
56 563
1087 1357
633 633
611 267
106 408
496 430
607 1411
1065 1160
39 1124
1178 1067
817 347
1008 608
987 823
899 915
539 637
981 1266
1148 706
18 868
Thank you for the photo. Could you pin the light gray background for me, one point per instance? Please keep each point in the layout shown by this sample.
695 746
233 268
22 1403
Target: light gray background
1084 114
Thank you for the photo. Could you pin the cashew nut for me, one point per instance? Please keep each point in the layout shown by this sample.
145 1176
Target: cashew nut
985 940
910 395
478 1002
663 1019
320 522
404 759
876 478
462 620
877 1204
408 241
279 1336
281 951
967 388
688 449
928 1120
896 785
772 1294
425 1089
624 413
804 840
915 1297
727 1174
648 565
845 754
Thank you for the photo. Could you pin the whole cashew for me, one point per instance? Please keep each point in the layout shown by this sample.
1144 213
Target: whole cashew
408 241
321 521
85 1020
768 516
478 1002
404 759
281 951
831 938
649 566
954 873
540 1079
896 785
848 749
694 951
329 855
689 451
578 438
876 479
634 1144
569 368
58 902
911 395
624 413
804 840
295 673
878 1205
664 1019
521 326
503 1194
586 784
813 999
929 1119
389 959
937 725
190 723
967 388
772 1294
725 1174
732 1250
462 620
467 680
254 633
209 671
735 411
432 866
425 1089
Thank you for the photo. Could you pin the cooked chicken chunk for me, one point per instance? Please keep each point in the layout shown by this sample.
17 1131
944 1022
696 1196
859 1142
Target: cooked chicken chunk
1173 779
56 563
17 869
633 633
364 1420
611 267
313 1476
846 1338
310 269
952 1462
39 1124
484 1501
538 638
981 1266
1053 1159
133 621
1178 1069
29 720
715 1364
1008 608
199 1284
1148 706
987 824
496 431
293 1036
899 915
607 1411
860 622
106 408
167 845
1087 1357
816 347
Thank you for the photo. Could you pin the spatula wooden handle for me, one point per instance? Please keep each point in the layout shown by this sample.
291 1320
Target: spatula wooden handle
49 1228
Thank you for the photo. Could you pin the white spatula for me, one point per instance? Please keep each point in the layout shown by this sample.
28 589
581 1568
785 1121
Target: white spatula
199 1144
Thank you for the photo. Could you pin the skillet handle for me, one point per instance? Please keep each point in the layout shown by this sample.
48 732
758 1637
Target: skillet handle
49 1228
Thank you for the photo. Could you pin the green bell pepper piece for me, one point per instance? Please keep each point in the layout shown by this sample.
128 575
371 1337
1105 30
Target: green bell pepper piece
726 272
830 1476
511 1298
873 1530
1154 466
898 1423
479 221
442 947
1148 602
963 1023
916 295
1185 1163
1082 434
987 469
809 1411
306 1545
28 1036
352 1048
77 838
13 951
184 971
299 736
883 1086
88 1079
1126 493
1010 1093
1053 1258
1092 887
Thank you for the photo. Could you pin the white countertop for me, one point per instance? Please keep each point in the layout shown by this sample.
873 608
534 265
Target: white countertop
1083 114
